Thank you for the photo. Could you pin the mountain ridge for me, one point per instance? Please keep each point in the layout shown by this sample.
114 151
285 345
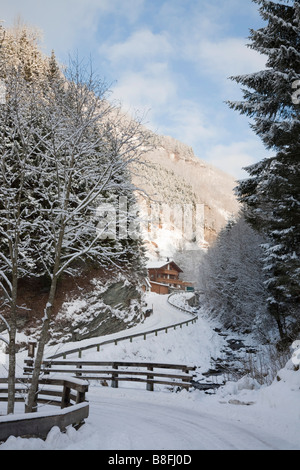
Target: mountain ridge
172 175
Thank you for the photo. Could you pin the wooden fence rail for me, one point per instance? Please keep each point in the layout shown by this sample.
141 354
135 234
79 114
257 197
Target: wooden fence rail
116 372
130 337
67 393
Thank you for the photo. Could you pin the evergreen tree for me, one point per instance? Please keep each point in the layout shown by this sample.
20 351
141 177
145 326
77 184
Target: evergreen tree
271 194
231 280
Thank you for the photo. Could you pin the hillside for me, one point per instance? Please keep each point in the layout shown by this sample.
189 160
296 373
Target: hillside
176 182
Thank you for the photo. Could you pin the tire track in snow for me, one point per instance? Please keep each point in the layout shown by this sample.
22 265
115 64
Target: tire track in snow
132 424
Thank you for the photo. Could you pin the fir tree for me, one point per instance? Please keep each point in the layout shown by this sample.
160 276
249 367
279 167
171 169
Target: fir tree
271 194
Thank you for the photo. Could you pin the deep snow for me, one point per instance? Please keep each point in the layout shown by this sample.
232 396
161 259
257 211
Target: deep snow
240 415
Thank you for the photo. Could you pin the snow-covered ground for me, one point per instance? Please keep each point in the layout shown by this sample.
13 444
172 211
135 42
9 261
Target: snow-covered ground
240 415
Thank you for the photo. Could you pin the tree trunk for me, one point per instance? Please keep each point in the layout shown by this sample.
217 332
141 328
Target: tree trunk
11 371
274 310
30 403
12 343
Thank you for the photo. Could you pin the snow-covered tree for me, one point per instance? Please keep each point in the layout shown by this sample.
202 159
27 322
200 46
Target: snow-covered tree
21 66
64 149
18 149
271 194
86 156
231 279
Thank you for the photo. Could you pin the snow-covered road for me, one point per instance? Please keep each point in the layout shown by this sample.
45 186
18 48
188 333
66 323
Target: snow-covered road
138 420
143 423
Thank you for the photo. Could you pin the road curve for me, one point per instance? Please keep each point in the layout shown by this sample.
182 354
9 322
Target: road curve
143 423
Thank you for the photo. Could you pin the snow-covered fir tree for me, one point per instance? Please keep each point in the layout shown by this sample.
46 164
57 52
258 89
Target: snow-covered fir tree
271 193
231 281
17 153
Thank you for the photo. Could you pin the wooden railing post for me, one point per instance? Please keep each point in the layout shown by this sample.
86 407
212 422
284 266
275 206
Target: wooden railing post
46 367
114 382
78 374
31 348
188 379
80 397
65 399
150 385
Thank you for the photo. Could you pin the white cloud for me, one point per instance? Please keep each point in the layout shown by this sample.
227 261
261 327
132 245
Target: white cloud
189 123
232 158
151 87
140 65
229 57
142 45
65 23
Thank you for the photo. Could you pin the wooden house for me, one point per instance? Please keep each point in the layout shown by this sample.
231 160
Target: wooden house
164 277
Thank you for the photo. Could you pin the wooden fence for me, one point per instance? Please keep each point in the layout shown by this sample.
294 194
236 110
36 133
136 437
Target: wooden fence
116 372
129 337
67 393
122 338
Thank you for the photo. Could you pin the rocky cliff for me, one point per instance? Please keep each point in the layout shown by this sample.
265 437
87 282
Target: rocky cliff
101 309
178 187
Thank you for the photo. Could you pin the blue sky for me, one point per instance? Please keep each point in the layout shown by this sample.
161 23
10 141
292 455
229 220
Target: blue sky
170 59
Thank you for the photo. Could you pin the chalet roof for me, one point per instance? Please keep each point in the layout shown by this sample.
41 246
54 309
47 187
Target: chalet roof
162 264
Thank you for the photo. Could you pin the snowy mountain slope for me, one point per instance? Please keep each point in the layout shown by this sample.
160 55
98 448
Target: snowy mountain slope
173 176
240 415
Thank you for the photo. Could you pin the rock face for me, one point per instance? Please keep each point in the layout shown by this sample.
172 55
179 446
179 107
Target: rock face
105 309
93 303
174 178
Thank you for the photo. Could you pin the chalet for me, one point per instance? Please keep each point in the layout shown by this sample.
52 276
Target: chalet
164 277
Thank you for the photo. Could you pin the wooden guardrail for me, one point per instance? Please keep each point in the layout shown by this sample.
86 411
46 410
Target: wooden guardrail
67 393
130 337
119 371
182 309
